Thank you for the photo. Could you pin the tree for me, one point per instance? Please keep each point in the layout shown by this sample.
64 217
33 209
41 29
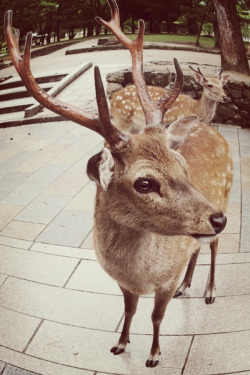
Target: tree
233 53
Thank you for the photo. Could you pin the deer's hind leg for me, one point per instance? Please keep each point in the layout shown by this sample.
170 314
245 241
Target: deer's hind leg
186 283
210 288
130 301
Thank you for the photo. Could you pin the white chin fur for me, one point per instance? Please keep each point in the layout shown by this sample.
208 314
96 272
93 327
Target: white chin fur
207 239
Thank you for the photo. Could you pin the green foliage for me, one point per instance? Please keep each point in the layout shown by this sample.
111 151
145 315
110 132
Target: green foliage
62 16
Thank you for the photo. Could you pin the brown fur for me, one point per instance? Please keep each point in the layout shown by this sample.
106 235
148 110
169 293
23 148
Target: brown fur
144 240
127 114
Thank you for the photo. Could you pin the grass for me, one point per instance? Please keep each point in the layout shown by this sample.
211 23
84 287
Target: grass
177 38
167 38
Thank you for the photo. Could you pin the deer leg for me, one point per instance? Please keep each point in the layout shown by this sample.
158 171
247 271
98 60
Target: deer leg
188 275
210 288
162 297
130 301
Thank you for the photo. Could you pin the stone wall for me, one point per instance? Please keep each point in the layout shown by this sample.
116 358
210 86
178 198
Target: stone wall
235 112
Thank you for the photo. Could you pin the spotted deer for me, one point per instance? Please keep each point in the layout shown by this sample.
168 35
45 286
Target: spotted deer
127 114
160 193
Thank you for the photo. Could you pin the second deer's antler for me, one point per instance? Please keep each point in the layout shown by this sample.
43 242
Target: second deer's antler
154 112
99 124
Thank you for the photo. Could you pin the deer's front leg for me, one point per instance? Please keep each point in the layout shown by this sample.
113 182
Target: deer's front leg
162 297
210 289
130 301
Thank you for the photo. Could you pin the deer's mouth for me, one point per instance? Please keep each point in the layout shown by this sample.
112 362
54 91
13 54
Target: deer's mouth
204 238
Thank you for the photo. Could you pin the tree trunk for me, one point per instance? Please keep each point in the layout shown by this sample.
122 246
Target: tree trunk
90 29
233 53
197 43
216 34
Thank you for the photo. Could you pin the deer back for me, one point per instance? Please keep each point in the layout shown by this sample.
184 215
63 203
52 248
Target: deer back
128 116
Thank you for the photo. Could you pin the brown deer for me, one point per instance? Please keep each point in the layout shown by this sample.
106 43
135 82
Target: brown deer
127 114
160 194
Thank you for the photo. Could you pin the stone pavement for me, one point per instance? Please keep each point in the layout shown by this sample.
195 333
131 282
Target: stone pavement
59 312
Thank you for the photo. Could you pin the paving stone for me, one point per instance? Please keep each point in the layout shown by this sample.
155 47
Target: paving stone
11 370
62 305
2 278
246 203
245 235
67 251
209 348
245 172
68 184
235 193
233 218
16 329
22 230
77 347
8 212
88 243
69 228
84 200
12 180
90 276
48 173
2 366
192 316
17 243
43 208
43 268
24 193
38 366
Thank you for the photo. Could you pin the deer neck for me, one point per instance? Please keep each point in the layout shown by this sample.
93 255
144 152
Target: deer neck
207 108
137 260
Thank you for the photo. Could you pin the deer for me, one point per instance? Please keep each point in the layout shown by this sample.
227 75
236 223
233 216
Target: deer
128 115
160 193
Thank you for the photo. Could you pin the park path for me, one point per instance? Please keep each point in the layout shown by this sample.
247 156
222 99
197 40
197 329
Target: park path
59 312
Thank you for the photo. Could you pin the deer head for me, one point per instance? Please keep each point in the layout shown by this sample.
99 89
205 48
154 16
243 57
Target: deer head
213 87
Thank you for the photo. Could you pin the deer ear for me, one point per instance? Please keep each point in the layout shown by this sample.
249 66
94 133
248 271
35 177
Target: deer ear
100 168
224 79
178 131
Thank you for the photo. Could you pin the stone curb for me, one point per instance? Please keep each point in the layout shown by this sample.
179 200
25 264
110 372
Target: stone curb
145 46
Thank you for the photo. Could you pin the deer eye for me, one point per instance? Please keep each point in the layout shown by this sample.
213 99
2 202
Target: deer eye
145 185
210 86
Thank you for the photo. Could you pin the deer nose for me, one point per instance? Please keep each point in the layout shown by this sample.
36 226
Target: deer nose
218 222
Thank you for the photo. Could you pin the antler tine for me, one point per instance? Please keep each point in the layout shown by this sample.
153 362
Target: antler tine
114 138
169 98
70 112
196 71
12 41
136 50
219 72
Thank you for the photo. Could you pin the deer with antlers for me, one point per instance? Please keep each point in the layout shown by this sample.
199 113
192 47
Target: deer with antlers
160 194
127 114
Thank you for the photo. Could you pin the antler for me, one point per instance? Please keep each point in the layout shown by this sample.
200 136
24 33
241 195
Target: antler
196 71
100 125
219 72
154 112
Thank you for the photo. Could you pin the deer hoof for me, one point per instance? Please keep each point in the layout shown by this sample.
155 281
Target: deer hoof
178 293
153 360
151 363
115 350
209 300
